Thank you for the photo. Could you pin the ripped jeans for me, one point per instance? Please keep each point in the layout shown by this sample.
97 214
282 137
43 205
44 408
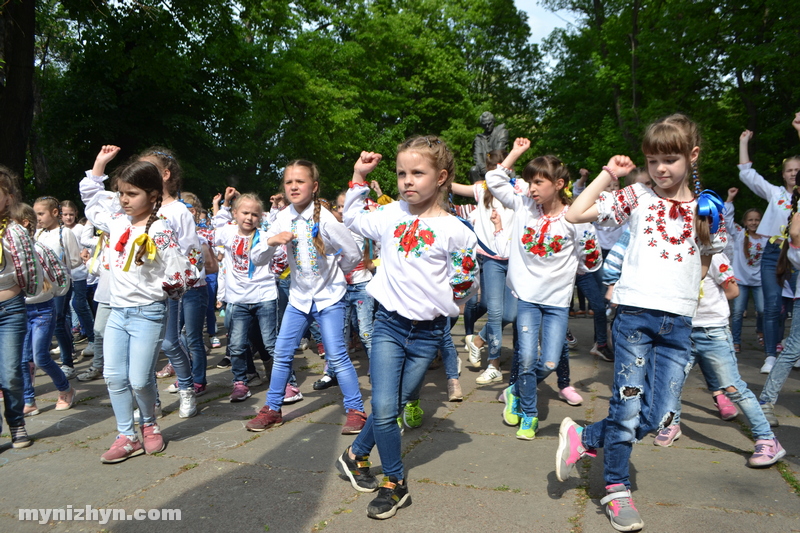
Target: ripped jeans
651 351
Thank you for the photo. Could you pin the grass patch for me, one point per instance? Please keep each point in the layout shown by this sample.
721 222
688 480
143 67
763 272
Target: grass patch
788 476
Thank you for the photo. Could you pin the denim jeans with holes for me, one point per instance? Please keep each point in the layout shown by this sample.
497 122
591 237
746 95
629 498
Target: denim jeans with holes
652 350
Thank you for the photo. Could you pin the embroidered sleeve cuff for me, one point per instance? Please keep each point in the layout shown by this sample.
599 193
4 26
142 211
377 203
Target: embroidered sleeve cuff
352 184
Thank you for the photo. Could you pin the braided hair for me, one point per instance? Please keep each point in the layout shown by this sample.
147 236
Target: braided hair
784 269
439 155
146 176
313 172
165 159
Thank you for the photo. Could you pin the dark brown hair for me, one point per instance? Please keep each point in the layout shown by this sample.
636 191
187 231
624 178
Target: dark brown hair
146 176
552 169
493 158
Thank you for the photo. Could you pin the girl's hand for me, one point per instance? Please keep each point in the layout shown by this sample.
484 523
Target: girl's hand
732 192
375 186
215 200
496 220
107 153
85 255
521 145
365 164
230 195
584 173
745 137
796 122
284 237
621 165
277 199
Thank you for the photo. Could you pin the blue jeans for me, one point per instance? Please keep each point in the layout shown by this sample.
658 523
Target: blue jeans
193 310
133 337
651 352
402 350
739 307
562 370
501 306
712 348
100 321
37 349
241 320
597 303
533 320
80 302
773 301
360 304
293 327
176 352
284 285
211 308
63 329
786 360
12 338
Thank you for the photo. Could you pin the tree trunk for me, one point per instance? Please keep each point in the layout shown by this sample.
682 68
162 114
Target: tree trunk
16 86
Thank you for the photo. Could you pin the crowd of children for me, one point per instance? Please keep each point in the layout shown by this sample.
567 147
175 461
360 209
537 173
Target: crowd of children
149 266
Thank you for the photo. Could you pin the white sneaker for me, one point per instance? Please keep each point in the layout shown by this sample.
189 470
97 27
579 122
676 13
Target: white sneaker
188 405
69 372
490 375
459 365
474 352
137 414
173 388
797 364
55 351
768 364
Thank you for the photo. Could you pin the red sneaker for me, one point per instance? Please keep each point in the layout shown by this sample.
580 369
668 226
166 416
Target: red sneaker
355 422
265 419
123 448
153 441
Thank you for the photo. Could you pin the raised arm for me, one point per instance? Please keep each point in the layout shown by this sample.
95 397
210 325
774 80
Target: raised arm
498 180
744 152
583 208
464 190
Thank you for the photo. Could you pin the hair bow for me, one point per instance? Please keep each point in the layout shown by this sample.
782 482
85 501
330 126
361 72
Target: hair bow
315 230
149 246
709 204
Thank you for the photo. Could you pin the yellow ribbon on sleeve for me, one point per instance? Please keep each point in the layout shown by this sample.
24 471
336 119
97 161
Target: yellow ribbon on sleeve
99 246
142 240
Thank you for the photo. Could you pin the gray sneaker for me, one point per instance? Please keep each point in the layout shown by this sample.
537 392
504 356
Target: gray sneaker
91 374
68 371
769 414
88 351
620 509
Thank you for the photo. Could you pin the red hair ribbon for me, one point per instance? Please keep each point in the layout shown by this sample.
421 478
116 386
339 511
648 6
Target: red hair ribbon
123 240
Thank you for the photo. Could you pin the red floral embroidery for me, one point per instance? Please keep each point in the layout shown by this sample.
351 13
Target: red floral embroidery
426 236
723 267
467 264
399 230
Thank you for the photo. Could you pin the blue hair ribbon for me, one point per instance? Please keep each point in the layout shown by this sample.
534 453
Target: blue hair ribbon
709 204
252 268
315 230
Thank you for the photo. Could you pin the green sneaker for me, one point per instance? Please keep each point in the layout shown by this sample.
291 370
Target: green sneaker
412 415
400 425
511 412
527 428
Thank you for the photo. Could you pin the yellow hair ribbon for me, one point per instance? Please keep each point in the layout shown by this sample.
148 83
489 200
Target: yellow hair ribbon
99 246
142 240
783 236
485 187
568 192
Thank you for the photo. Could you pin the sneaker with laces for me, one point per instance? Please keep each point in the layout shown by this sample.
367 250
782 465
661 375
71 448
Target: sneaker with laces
68 371
572 342
240 392
225 362
668 435
123 448
167 372
19 437
187 407
392 495
265 419
570 395
173 388
292 394
91 374
355 422
769 362
570 448
157 413
768 452
727 411
320 349
412 415
152 440
769 413
30 409
620 508
603 352
490 375
66 399
511 412
215 342
357 471
528 426
199 389
454 393
474 355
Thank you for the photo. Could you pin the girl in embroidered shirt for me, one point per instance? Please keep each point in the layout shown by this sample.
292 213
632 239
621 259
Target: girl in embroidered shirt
545 254
673 233
20 275
320 252
251 292
772 226
428 267
146 268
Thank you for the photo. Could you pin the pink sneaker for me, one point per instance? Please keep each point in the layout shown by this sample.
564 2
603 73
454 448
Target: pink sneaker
768 452
292 394
66 399
727 411
570 395
166 372
123 448
153 441
570 448
668 435
240 392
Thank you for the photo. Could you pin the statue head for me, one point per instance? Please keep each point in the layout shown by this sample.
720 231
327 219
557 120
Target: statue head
487 122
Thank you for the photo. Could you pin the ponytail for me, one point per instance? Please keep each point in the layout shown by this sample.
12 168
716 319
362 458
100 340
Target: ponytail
702 224
784 270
